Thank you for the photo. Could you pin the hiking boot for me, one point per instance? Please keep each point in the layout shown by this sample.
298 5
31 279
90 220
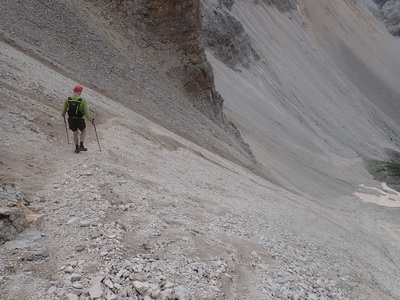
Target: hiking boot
82 148
77 149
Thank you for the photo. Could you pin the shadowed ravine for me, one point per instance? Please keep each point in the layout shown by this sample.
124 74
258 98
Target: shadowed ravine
387 171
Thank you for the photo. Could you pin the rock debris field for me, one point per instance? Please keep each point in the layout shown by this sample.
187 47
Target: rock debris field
170 223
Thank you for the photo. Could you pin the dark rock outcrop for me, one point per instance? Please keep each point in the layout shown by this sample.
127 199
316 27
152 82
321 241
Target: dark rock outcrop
12 222
12 218
380 3
173 29
226 37
388 12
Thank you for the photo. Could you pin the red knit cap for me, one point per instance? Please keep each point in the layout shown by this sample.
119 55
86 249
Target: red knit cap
78 88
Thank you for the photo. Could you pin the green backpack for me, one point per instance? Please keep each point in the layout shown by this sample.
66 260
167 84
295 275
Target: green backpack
74 108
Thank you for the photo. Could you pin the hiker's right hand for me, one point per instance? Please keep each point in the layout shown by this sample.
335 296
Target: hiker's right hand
93 121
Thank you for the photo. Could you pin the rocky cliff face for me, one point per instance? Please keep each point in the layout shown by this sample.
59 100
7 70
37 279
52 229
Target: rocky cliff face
380 3
173 30
225 35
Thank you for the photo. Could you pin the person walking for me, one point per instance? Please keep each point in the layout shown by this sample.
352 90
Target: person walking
77 108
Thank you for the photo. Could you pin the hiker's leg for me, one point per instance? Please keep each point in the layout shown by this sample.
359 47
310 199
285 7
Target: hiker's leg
76 139
82 128
83 135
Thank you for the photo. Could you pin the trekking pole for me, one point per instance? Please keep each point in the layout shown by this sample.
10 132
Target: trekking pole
97 137
66 130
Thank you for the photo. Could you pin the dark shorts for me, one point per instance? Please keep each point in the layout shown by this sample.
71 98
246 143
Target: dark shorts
75 124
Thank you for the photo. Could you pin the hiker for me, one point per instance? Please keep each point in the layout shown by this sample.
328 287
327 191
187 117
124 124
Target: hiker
77 108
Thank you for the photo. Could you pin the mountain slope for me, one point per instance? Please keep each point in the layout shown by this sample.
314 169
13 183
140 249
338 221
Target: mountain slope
321 87
103 46
154 213
174 206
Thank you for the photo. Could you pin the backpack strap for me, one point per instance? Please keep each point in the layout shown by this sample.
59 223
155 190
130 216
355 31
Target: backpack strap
79 99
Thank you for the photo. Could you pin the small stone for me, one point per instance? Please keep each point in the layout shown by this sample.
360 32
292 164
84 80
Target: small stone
61 292
214 288
75 277
78 285
168 285
121 273
52 290
112 297
141 288
166 294
96 234
312 296
228 276
73 263
123 292
69 269
126 274
72 220
133 277
109 283
84 223
130 291
156 294
117 286
138 268
95 290
71 296
183 294
80 247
